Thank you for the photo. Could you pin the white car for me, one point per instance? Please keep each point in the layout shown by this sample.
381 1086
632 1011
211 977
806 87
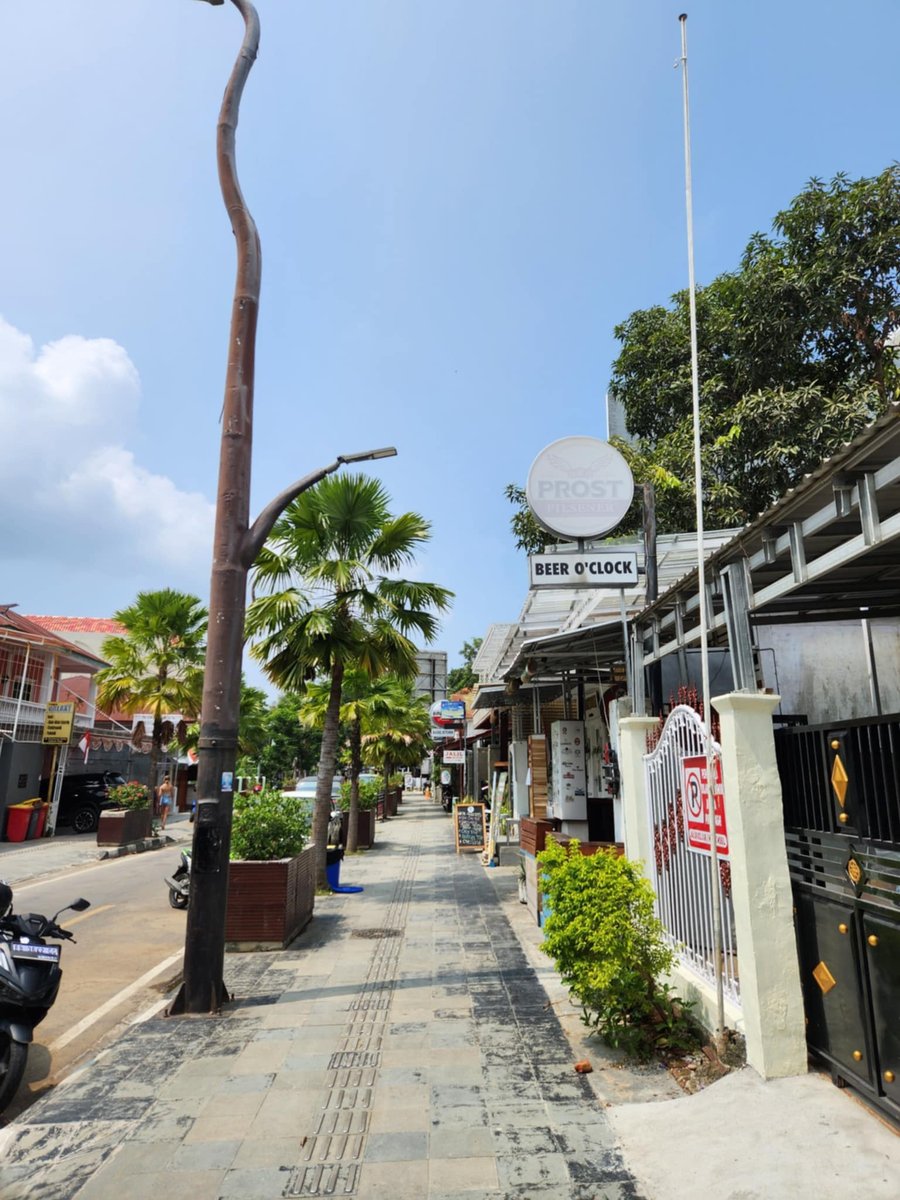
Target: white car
307 788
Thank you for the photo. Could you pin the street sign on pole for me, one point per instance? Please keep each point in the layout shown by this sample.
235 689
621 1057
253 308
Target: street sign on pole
453 757
586 568
58 721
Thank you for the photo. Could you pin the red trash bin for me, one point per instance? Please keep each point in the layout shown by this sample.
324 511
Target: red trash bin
17 818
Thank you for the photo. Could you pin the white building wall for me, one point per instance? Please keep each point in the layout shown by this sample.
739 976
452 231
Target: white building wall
820 670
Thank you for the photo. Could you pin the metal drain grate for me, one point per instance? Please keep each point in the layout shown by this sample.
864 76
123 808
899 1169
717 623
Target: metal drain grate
376 933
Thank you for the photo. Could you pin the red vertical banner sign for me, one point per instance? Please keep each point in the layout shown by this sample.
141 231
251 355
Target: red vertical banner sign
695 798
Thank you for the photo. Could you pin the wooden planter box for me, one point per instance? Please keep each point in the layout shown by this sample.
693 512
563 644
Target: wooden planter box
589 848
533 834
269 903
391 802
366 828
123 825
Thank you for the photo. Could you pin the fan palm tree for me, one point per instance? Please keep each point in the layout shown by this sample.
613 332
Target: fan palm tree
400 738
364 703
327 598
156 666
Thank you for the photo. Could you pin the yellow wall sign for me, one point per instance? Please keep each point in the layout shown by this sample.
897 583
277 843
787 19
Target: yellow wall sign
58 721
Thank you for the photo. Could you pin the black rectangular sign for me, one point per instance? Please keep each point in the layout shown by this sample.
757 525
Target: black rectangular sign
468 822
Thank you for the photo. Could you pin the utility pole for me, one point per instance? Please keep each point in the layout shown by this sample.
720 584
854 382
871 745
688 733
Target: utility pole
203 989
235 546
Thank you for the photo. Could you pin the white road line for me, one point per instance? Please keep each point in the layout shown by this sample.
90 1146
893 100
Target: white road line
114 1002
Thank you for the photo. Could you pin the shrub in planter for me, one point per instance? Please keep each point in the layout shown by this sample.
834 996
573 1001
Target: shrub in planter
130 821
369 791
271 877
268 825
609 949
132 796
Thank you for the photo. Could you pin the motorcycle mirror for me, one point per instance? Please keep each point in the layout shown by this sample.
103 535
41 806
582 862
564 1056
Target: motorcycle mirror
78 905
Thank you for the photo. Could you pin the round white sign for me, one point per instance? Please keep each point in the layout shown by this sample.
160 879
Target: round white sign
579 487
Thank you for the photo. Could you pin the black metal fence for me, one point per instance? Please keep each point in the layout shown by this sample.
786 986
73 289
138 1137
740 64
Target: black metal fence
860 759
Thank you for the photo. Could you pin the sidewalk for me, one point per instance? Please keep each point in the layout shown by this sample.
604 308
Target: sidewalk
407 1049
24 862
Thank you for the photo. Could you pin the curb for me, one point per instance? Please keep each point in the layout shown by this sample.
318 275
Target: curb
138 847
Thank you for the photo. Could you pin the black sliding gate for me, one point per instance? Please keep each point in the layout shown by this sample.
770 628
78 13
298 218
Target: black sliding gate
841 789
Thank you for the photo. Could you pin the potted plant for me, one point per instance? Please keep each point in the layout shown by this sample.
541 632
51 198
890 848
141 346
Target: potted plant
369 792
272 874
130 820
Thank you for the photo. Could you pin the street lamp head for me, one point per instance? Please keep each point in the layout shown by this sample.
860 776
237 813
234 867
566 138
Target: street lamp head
215 1
366 455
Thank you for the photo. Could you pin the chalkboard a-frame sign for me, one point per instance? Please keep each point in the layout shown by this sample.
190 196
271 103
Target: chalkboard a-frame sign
468 824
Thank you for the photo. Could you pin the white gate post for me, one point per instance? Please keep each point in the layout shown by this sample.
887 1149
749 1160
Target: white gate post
761 888
635 816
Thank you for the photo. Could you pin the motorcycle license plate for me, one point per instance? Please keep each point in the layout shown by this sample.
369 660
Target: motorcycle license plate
30 950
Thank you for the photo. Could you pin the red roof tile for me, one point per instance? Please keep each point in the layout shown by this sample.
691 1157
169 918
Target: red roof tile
30 629
79 624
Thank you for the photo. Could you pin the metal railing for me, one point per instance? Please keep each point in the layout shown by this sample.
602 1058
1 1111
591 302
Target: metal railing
23 720
681 875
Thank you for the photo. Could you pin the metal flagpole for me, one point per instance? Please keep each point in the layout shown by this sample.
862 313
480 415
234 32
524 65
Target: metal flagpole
711 772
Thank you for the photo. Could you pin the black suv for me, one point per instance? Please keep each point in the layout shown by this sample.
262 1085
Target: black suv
84 797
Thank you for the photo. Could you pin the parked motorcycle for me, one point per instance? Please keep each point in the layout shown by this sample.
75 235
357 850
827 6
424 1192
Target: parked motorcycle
179 883
30 975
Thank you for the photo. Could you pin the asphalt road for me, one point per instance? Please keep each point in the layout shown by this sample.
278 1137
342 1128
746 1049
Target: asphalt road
127 953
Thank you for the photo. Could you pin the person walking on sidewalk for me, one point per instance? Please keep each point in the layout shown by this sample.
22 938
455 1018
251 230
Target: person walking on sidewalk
164 794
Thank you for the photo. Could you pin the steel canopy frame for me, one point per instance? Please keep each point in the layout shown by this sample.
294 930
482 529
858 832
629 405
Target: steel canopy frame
825 551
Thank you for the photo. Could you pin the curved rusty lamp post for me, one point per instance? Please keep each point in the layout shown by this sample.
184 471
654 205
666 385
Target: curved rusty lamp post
235 547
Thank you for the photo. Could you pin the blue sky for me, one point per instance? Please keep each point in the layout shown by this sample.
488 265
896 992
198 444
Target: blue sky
457 203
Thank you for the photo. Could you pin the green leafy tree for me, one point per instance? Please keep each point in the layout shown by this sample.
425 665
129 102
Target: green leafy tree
529 536
327 598
293 748
464 676
794 355
156 666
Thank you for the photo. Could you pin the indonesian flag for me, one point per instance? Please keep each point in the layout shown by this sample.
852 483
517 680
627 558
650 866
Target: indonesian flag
85 746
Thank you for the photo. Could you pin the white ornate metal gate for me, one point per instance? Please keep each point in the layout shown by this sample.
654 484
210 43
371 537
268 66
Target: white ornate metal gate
681 874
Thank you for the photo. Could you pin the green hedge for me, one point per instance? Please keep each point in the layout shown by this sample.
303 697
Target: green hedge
609 948
268 825
369 791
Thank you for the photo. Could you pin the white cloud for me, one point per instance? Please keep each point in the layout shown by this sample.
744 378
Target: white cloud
70 489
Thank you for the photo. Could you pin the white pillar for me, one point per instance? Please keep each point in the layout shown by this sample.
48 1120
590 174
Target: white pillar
632 748
771 997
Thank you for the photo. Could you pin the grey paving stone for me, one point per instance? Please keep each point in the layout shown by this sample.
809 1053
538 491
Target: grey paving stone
475 1175
205 1156
545 1170
254 1183
461 1142
396 1147
468 1116
238 1084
